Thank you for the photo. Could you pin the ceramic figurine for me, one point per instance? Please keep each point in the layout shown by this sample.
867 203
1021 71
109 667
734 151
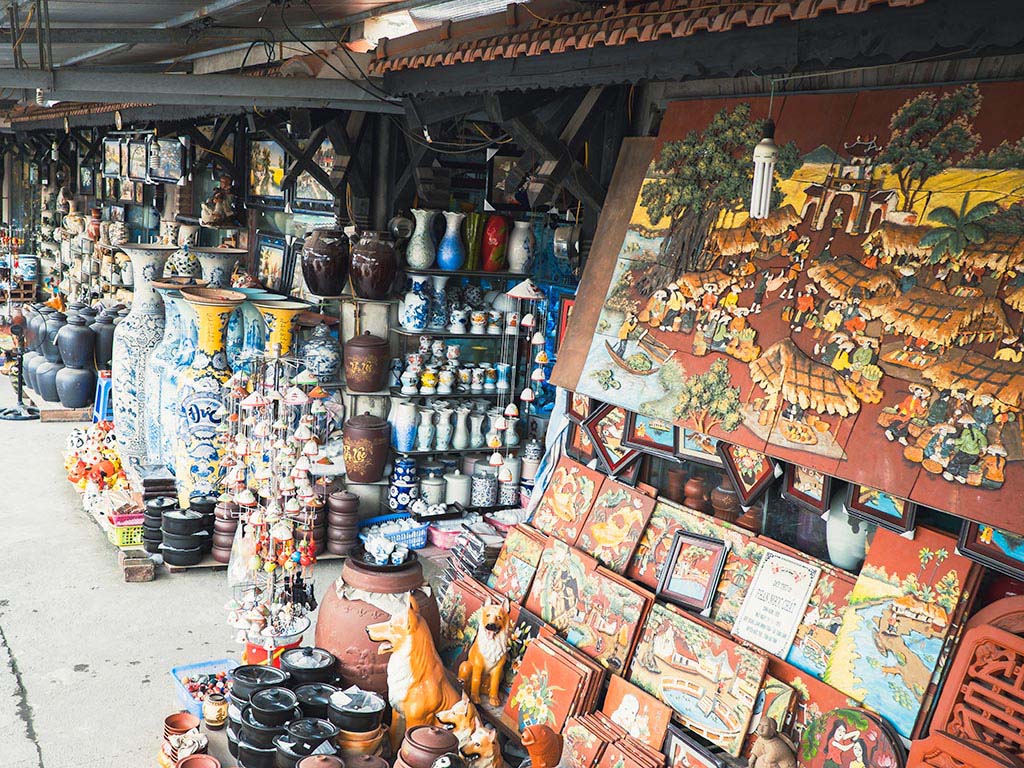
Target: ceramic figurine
410 382
478 323
521 246
418 686
482 750
451 253
414 309
772 749
543 745
457 320
462 720
419 252
488 654
437 352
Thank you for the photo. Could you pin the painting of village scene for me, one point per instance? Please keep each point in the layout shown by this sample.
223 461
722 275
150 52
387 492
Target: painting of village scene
710 681
897 619
870 327
606 620
816 635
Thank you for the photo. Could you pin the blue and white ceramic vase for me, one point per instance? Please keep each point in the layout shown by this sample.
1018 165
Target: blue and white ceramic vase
403 426
414 310
218 264
322 355
451 253
425 430
419 251
522 244
438 303
188 324
199 448
135 338
504 371
246 332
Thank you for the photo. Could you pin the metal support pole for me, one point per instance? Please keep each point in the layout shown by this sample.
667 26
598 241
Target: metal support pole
381 180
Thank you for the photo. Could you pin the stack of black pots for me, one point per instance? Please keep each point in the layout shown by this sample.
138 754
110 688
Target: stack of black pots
205 506
152 535
342 523
225 523
185 538
278 716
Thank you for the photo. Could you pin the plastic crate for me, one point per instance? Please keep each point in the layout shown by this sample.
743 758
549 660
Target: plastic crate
134 518
191 670
444 538
125 535
414 538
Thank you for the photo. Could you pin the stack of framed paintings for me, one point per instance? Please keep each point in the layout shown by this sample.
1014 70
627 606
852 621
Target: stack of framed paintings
630 753
526 627
559 583
614 523
554 683
567 500
710 681
597 741
637 712
607 619
517 562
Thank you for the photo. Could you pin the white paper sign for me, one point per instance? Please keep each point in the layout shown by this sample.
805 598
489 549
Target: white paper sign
775 602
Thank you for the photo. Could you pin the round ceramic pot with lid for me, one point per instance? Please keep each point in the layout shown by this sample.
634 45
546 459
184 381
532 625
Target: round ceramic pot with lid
367 439
256 733
249 678
309 733
425 743
183 522
367 363
308 665
356 711
181 557
273 706
343 501
313 698
254 756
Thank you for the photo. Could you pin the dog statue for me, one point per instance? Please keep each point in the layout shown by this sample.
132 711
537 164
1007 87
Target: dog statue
417 686
488 654
543 745
462 719
483 750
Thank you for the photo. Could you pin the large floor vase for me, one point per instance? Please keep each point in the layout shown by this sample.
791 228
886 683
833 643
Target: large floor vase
199 450
135 338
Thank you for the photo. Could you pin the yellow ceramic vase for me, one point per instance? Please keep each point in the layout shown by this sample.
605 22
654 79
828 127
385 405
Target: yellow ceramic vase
280 317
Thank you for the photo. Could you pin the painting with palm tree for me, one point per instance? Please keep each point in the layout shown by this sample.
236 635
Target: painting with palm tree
874 318
899 613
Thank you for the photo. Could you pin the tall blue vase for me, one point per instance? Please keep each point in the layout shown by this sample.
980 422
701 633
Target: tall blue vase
451 253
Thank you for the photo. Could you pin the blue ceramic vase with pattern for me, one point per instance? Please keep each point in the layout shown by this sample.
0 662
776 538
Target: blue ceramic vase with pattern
451 253
414 311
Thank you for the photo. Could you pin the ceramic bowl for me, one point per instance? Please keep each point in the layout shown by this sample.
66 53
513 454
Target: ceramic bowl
198 761
180 722
273 707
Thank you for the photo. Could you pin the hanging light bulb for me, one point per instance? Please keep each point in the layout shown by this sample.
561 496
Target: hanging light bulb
765 155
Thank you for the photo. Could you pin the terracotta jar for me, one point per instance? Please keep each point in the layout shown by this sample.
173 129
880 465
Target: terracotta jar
696 491
367 363
325 257
725 502
365 447
362 761
92 228
424 744
341 623
323 761
675 478
373 265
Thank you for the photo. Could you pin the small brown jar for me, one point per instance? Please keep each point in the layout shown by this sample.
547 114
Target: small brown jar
215 710
365 448
366 363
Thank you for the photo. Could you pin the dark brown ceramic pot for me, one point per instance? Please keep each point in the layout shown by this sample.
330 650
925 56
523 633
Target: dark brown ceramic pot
341 623
325 257
373 266
424 744
365 448
366 363
725 502
696 491
340 502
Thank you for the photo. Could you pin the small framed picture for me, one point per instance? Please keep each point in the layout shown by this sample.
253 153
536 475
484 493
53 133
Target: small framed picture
502 193
659 437
112 158
138 159
809 488
267 165
565 308
167 159
606 426
271 255
308 194
694 446
123 164
751 471
692 571
126 191
998 549
86 180
880 508
117 213
33 174
110 187
630 474
579 445
682 750
579 407
139 191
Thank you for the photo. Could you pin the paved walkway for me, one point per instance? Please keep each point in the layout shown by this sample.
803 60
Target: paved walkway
84 657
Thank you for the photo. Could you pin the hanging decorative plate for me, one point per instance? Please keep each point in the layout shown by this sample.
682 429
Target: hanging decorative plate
849 737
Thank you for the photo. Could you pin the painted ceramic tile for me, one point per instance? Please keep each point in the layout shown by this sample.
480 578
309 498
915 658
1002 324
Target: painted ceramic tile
775 700
525 629
459 623
740 564
616 757
709 680
896 622
517 563
849 738
558 586
656 542
614 525
545 690
641 715
816 635
566 501
581 747
607 620
813 698
853 327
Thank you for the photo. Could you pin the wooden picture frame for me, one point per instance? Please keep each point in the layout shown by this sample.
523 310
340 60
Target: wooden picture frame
167 160
579 407
126 190
86 180
138 192
606 425
694 446
679 745
987 545
498 198
270 260
579 445
630 474
799 484
881 508
308 194
110 187
566 304
267 161
751 471
111 159
671 581
138 160
639 433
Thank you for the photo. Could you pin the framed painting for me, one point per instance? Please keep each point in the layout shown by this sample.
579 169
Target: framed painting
658 437
656 542
606 426
637 712
33 174
565 307
86 180
167 159
816 636
612 529
561 576
308 194
138 192
579 445
138 160
809 488
880 508
110 187
123 164
567 500
112 159
695 446
692 571
682 750
630 474
117 213
606 622
271 254
751 471
579 407
1000 550
502 193
525 629
266 172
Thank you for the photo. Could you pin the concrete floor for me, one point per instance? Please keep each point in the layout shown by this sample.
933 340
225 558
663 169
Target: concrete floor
84 657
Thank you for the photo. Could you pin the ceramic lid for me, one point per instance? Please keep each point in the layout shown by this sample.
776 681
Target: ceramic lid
257 674
366 421
273 699
432 739
308 658
182 514
366 340
315 693
312 729
327 761
343 496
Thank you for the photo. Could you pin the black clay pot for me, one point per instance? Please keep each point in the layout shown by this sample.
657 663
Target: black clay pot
76 387
361 714
313 698
308 733
151 546
76 343
259 735
161 504
373 266
46 381
325 257
174 556
273 707
249 678
203 504
232 741
309 665
103 328
183 522
186 540
54 322
253 756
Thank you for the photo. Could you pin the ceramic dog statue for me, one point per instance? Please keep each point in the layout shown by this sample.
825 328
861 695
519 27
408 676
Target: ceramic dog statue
483 750
488 654
417 686
462 719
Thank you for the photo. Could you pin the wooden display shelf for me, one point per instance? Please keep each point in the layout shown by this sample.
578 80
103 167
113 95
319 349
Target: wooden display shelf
442 334
397 392
55 411
447 452
481 273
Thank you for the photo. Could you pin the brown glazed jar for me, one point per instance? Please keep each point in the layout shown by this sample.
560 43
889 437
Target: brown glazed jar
325 256
373 266
341 623
365 448
725 502
366 363
424 744
696 491
342 501
92 227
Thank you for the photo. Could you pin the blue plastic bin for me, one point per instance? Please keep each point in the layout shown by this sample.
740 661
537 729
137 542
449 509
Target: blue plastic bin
193 670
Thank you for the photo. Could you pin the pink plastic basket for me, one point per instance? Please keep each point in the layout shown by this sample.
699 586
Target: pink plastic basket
443 539
135 518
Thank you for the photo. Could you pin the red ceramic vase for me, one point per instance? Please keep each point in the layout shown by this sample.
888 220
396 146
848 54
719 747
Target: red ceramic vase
495 247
